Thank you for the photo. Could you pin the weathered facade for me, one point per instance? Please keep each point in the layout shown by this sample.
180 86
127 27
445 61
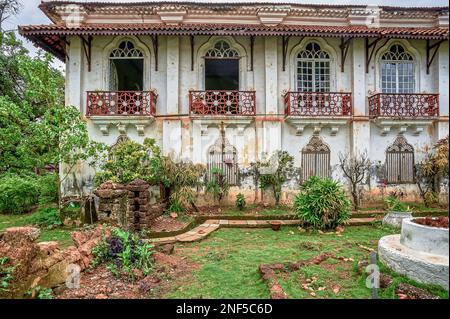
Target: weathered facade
313 80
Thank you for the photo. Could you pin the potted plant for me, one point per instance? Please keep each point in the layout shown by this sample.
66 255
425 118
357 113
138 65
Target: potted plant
397 211
276 225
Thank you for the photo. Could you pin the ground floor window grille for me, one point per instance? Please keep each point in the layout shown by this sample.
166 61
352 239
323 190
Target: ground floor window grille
315 159
400 162
223 155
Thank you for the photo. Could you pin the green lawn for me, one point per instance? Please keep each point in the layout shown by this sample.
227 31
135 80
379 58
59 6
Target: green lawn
60 234
228 263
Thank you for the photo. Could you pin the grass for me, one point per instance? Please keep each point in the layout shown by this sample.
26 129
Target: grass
250 210
60 234
229 261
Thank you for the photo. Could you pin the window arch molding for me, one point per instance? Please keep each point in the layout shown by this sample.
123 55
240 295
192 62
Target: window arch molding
146 50
335 79
409 49
234 45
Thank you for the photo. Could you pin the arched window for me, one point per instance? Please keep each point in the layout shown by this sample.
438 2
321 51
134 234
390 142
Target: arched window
126 67
313 69
397 71
223 155
222 67
400 162
222 50
315 159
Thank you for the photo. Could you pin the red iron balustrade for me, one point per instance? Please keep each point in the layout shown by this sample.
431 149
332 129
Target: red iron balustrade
318 104
404 105
218 102
121 103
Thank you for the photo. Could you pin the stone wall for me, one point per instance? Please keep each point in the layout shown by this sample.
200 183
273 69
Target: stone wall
128 206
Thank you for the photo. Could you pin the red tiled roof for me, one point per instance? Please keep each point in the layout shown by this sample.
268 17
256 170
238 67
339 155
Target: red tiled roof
50 36
235 29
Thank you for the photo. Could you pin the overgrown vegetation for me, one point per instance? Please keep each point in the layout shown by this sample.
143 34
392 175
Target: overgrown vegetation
279 168
6 275
240 201
430 171
124 253
356 169
393 204
46 217
217 185
322 203
130 160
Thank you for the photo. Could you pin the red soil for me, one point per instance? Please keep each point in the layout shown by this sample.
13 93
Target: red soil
441 222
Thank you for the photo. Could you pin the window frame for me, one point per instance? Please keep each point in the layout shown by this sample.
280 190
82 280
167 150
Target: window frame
397 59
314 60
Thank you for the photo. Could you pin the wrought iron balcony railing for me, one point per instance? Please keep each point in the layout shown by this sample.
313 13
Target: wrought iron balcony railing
316 104
404 105
231 103
131 103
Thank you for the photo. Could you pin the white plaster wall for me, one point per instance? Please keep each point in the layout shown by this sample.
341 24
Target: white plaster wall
183 139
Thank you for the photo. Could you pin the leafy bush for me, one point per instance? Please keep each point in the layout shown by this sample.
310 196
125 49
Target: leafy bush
129 161
240 201
18 194
6 276
48 216
392 203
40 293
48 189
284 164
217 186
322 203
123 252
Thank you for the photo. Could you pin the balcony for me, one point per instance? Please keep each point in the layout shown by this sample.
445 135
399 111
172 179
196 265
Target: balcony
121 103
121 109
318 104
404 105
222 103
318 109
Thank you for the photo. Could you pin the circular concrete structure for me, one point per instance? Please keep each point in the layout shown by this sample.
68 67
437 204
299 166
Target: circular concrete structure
423 238
395 218
420 253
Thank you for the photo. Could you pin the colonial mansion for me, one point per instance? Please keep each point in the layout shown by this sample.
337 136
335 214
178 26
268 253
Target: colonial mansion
228 84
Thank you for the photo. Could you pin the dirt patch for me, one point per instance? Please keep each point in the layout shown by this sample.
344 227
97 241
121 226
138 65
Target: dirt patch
100 283
406 291
167 224
440 222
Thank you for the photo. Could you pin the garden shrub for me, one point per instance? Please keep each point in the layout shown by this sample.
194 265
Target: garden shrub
322 203
6 275
18 194
123 252
393 204
240 201
48 216
217 185
48 189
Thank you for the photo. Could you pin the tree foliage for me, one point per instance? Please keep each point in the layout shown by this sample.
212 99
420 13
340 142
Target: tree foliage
356 169
430 171
322 203
284 163
37 130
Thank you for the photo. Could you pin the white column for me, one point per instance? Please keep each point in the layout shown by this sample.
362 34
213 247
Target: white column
74 74
360 131
172 75
172 138
442 125
271 75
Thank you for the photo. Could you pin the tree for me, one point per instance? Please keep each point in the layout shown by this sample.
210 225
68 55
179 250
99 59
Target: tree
8 8
429 172
283 166
356 169
36 128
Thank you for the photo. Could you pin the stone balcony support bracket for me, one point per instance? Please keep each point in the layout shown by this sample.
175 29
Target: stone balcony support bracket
415 126
317 124
123 123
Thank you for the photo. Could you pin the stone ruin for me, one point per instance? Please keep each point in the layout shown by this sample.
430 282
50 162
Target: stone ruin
127 205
